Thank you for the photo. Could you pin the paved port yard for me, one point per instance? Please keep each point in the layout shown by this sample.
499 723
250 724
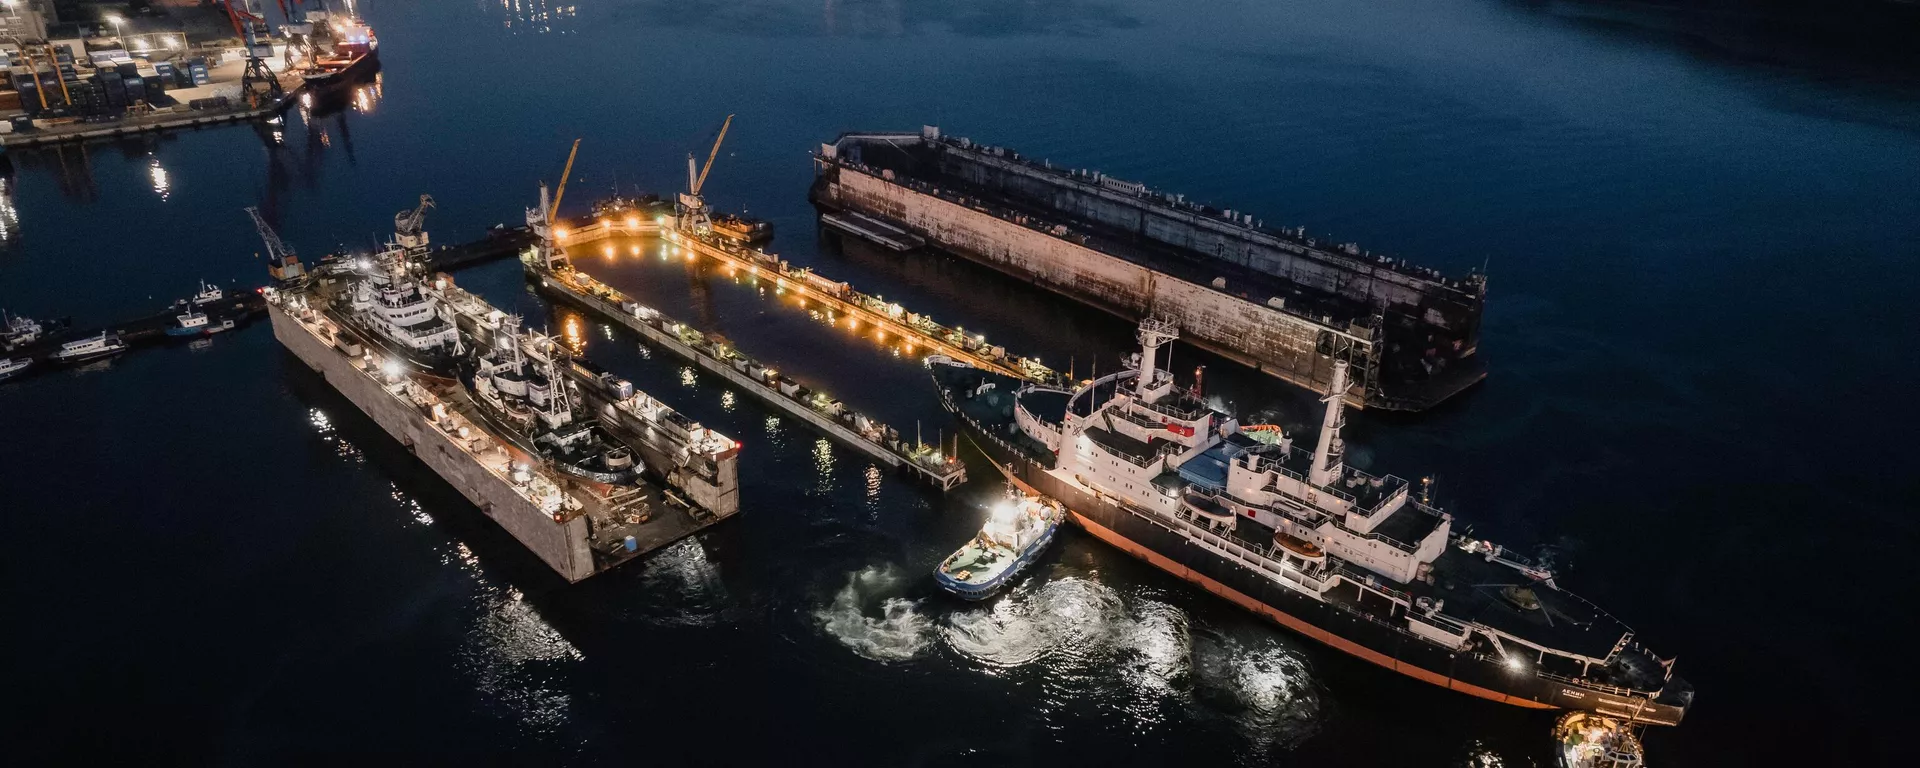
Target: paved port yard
206 32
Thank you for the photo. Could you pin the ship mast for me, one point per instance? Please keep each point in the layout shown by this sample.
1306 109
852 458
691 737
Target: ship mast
1328 456
1154 333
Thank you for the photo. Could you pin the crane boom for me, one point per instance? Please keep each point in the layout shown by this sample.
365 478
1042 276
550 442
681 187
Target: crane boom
276 250
554 213
409 222
697 183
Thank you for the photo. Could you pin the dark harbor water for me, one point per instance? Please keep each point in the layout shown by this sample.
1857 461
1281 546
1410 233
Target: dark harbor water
1699 329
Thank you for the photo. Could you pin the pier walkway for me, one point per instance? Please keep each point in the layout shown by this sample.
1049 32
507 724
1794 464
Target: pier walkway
885 444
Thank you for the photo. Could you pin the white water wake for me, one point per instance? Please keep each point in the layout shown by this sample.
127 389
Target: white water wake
898 633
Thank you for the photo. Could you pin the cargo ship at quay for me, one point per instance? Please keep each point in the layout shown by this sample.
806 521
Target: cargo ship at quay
583 470
1359 562
1278 300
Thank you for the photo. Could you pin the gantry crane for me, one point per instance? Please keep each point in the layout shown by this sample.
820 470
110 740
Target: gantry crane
693 209
258 81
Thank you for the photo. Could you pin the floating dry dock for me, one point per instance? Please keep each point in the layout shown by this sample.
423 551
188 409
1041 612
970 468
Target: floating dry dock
556 277
578 528
1276 299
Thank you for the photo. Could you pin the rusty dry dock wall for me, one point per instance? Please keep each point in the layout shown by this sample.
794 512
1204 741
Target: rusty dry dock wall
1251 333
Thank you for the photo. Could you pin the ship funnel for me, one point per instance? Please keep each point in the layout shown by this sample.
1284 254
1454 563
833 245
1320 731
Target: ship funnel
1328 456
1154 333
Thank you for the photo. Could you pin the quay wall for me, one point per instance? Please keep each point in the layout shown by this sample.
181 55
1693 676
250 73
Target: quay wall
563 546
1233 327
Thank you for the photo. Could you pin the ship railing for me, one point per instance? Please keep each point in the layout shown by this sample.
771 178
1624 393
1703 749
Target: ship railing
1440 620
1371 581
1595 685
1265 558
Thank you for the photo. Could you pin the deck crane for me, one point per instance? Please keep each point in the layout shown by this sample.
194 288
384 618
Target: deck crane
282 263
251 25
408 226
693 209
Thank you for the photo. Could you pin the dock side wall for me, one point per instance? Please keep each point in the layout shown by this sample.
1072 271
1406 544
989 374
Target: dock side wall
1354 278
1251 333
563 546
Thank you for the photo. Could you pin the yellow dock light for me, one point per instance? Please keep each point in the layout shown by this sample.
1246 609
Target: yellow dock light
633 221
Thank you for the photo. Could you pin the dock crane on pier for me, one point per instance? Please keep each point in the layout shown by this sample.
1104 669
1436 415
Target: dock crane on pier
250 23
409 226
693 209
282 263
540 220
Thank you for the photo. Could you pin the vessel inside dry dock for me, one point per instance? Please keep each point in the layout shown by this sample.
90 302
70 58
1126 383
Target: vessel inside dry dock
444 374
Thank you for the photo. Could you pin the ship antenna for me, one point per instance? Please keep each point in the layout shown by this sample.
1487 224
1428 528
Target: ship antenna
1328 456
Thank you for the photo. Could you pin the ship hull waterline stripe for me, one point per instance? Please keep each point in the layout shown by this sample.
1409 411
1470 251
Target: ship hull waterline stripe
1204 582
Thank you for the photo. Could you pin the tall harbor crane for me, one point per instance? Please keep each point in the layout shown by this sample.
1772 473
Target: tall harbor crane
250 23
409 226
540 220
693 209
282 263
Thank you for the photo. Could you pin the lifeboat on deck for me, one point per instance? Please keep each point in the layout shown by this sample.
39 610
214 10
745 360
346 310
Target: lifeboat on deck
1299 546
1208 508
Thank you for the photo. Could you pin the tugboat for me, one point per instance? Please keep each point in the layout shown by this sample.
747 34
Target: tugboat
106 344
518 388
10 366
1588 740
1018 529
1362 563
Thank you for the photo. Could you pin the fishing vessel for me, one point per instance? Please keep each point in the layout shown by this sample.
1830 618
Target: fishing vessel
394 308
13 365
106 344
1356 561
1017 531
207 294
519 389
20 331
1588 740
193 322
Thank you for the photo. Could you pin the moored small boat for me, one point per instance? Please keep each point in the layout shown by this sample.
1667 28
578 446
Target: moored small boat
106 344
1018 529
20 331
11 366
193 322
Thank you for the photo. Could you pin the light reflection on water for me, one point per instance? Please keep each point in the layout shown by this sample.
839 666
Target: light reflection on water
823 462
